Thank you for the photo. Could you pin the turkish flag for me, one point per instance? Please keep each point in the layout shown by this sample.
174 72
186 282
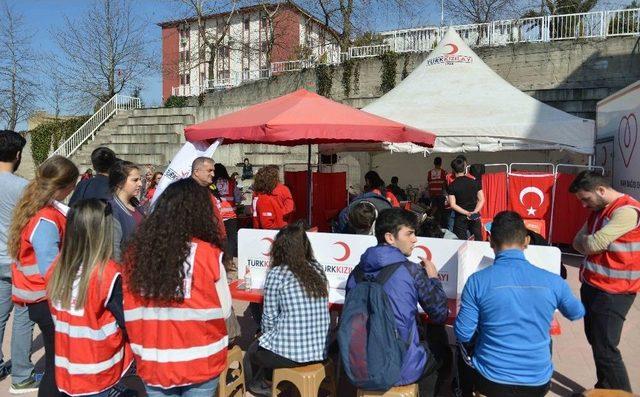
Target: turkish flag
530 194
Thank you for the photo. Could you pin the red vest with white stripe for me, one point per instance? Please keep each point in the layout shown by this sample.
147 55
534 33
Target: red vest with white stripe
184 343
28 284
436 180
91 351
616 270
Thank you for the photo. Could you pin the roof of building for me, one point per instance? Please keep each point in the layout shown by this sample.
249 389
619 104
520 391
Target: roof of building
251 8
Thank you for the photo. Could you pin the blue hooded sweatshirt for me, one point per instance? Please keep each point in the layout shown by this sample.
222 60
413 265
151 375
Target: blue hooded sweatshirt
408 286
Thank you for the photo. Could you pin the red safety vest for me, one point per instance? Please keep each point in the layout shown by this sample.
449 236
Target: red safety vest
91 351
184 343
389 196
226 187
227 210
267 212
616 270
436 180
28 285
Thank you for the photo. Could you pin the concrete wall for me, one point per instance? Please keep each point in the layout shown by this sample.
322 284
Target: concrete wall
569 75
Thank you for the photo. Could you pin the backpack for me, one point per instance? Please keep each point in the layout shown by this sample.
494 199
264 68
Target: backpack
371 348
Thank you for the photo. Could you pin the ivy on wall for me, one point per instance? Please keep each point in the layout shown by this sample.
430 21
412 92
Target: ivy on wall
347 73
324 79
50 134
176 102
405 67
388 71
356 78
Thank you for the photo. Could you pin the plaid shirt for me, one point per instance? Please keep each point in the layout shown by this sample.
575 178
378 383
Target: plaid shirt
294 325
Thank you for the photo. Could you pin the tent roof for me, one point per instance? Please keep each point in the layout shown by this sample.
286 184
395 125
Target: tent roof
471 108
301 118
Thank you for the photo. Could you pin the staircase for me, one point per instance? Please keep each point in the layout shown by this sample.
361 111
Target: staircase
142 136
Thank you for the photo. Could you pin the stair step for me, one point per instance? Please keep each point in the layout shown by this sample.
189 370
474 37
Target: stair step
165 112
177 129
144 148
159 120
147 138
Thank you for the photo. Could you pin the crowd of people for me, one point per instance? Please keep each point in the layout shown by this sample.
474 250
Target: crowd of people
124 283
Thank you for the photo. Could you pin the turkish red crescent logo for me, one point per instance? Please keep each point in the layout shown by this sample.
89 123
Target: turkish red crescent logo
454 49
427 251
627 137
347 251
270 241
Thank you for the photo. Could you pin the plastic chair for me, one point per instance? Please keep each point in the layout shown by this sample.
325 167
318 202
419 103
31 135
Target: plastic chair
399 391
232 379
309 379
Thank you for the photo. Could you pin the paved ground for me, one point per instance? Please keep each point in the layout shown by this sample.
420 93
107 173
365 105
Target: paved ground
572 357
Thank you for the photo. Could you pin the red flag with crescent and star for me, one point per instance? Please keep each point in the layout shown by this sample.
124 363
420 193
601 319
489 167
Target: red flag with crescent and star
530 194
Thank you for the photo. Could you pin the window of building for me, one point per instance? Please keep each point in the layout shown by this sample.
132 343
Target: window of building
247 23
264 47
185 79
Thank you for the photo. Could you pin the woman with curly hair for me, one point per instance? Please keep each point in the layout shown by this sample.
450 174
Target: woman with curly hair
268 213
174 318
125 184
35 237
296 304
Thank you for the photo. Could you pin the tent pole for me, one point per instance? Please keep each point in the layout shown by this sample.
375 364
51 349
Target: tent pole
309 186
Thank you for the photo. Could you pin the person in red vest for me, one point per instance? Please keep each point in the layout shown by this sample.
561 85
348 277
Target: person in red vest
176 296
230 219
35 237
84 290
610 273
436 183
268 212
282 192
375 184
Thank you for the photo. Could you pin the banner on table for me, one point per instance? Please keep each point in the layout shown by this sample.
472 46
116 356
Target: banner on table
180 166
340 253
530 194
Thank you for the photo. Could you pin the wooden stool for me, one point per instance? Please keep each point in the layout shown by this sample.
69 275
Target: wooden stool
308 379
399 391
606 393
232 379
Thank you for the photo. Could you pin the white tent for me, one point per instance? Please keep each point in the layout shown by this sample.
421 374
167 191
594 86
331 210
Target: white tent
470 108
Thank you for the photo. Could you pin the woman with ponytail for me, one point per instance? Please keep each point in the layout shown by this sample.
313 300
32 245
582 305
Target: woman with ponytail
125 184
35 237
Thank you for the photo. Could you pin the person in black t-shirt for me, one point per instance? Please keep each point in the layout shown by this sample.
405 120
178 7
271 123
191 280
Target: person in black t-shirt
466 199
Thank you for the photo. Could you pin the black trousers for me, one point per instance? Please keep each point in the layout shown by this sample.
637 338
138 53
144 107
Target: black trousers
39 313
462 224
231 227
438 365
605 315
492 389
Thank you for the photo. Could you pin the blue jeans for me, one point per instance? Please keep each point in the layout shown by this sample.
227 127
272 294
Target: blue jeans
204 389
22 331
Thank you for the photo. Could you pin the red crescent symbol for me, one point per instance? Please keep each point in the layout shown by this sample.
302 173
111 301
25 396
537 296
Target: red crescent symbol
426 251
454 49
270 240
347 251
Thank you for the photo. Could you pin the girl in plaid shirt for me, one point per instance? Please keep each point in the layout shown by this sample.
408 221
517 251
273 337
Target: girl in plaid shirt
295 318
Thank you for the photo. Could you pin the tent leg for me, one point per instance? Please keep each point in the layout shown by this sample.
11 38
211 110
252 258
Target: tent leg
309 186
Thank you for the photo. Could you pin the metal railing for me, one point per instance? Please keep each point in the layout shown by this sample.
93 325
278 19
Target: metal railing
598 24
89 128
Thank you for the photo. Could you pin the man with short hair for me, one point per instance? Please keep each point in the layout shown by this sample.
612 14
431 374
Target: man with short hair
466 199
102 159
362 216
610 273
394 188
11 188
507 310
202 173
410 284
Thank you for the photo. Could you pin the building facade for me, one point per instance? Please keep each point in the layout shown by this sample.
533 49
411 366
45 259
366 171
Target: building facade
224 50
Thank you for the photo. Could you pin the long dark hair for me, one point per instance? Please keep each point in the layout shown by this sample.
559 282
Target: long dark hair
373 181
220 171
154 261
292 248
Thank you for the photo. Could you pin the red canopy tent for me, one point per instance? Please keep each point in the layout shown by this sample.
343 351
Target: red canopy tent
305 118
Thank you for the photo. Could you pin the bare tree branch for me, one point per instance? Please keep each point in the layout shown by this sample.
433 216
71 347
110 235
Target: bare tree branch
17 84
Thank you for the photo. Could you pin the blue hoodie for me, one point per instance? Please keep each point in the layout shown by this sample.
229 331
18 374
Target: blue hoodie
407 287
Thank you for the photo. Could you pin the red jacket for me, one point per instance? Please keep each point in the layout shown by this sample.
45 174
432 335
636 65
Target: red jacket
436 180
285 199
390 196
267 212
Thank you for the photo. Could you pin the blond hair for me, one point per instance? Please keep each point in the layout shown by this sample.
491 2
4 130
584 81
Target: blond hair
54 174
87 246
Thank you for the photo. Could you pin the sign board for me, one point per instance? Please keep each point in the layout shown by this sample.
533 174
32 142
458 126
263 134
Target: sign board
618 116
455 260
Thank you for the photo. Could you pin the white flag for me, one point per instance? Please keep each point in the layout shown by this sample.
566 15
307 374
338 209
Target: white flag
180 166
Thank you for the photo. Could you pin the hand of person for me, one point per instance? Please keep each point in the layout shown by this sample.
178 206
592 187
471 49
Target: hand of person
429 267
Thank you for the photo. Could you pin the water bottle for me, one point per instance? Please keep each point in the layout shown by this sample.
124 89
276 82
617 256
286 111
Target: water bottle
247 280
